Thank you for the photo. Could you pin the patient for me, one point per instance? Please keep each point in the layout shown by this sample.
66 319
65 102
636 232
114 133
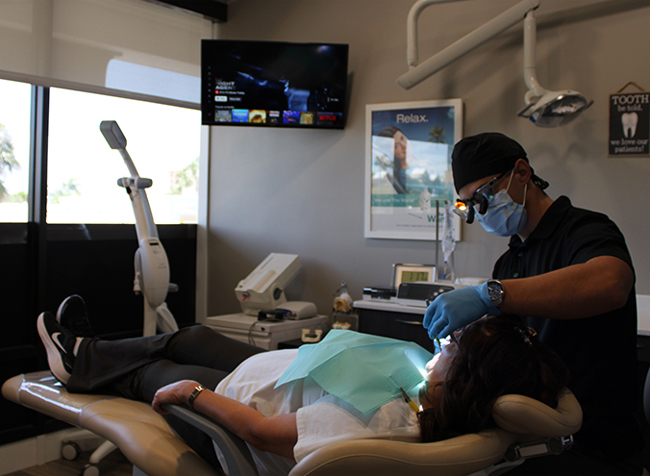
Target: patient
490 357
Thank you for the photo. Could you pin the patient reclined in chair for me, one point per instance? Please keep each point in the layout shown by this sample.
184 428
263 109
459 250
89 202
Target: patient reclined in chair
305 418
144 437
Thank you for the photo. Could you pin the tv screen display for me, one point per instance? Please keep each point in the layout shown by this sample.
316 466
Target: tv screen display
273 84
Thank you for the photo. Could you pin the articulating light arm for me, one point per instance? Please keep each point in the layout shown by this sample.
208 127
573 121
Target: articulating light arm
150 262
543 108
546 108
489 30
535 90
412 29
135 184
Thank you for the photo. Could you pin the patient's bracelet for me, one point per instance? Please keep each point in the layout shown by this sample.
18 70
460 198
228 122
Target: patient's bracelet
195 393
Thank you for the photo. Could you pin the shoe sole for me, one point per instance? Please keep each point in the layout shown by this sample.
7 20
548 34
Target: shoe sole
54 359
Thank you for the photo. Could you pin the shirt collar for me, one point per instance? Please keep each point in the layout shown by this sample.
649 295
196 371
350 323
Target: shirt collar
549 222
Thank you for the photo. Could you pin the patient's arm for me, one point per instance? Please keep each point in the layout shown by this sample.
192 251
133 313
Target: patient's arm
277 434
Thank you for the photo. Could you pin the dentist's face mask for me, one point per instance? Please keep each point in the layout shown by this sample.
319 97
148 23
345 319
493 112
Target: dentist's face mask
503 216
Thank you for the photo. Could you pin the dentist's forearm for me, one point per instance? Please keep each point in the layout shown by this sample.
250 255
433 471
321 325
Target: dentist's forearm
600 285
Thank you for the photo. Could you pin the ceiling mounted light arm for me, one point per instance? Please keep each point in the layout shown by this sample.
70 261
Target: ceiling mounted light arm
545 108
412 29
489 30
535 90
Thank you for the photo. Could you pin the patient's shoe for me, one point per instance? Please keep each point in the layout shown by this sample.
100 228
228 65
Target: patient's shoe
59 343
73 316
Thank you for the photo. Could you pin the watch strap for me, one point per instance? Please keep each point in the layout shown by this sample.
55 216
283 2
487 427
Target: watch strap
195 393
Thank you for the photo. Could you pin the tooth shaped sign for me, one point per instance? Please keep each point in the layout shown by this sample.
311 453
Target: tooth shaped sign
629 120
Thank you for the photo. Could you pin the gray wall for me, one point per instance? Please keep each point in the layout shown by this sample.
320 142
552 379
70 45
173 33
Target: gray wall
301 191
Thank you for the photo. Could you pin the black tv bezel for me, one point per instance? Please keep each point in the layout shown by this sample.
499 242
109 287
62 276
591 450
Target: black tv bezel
206 89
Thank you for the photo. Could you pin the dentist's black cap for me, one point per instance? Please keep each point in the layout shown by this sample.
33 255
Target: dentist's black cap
481 155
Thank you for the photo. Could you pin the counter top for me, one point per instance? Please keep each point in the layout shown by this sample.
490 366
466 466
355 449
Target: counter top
386 305
643 304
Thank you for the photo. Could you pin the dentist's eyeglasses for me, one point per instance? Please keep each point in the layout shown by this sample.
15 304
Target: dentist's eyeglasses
481 199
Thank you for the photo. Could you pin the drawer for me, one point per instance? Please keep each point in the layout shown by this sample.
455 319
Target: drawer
397 325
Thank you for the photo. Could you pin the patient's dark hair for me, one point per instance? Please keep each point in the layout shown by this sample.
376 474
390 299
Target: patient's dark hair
496 356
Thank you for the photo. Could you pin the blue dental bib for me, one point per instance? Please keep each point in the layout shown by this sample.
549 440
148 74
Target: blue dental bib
364 370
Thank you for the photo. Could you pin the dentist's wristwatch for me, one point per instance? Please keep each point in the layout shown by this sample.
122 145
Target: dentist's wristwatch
496 292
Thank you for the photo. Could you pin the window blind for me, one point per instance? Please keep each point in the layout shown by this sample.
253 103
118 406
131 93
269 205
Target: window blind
122 47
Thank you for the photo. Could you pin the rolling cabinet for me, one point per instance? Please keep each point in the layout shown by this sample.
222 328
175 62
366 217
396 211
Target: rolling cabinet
383 318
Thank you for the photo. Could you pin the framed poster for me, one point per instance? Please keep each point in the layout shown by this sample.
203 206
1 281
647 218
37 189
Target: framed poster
408 168
629 123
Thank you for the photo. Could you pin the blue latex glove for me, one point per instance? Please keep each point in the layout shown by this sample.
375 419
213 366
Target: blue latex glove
455 309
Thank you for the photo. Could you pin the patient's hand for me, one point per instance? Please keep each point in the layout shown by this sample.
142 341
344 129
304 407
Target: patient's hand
176 393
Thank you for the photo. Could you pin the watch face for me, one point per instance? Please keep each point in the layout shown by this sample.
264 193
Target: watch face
495 290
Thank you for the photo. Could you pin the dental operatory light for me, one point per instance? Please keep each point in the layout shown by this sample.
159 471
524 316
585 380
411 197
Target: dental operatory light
544 108
555 108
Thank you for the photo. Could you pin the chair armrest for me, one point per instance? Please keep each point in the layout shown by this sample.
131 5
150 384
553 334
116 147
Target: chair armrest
458 456
237 456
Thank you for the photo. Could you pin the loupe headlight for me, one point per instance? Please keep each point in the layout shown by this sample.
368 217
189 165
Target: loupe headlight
465 209
479 201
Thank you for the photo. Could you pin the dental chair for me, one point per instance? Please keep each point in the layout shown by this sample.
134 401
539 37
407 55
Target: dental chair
526 428
142 435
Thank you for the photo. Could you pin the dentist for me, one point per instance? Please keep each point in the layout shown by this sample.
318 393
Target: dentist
569 274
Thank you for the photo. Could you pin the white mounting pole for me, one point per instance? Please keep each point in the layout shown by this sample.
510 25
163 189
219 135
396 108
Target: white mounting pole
150 261
535 90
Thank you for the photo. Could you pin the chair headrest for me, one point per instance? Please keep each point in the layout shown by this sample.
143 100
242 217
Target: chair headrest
524 415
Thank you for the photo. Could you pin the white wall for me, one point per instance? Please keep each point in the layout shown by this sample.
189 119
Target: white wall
299 191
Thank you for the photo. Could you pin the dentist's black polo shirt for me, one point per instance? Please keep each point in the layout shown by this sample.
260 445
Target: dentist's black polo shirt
600 351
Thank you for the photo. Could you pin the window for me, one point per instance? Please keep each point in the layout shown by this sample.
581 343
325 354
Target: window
14 150
163 142
131 48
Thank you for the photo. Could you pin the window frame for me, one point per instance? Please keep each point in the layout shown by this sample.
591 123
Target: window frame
39 257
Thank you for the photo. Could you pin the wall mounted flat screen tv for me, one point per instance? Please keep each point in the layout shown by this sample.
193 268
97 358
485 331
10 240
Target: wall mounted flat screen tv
273 84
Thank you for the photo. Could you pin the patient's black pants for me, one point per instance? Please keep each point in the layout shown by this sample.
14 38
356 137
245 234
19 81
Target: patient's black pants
136 368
